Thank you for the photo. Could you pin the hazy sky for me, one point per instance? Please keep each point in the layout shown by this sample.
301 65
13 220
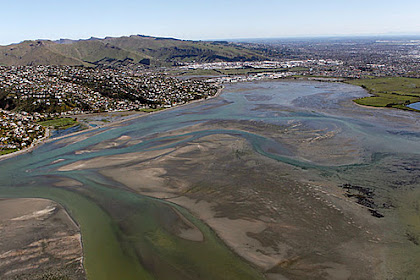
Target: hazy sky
216 19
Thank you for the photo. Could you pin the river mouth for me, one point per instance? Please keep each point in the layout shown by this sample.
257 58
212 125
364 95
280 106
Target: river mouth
270 178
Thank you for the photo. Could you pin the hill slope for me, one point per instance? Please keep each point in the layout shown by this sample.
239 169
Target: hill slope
171 50
132 50
35 53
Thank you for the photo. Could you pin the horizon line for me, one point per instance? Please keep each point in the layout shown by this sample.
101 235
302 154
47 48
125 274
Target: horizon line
325 36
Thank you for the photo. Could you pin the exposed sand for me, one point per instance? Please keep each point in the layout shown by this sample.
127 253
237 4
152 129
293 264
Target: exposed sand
140 179
188 230
233 231
287 227
114 160
292 226
113 143
38 239
69 140
75 137
68 183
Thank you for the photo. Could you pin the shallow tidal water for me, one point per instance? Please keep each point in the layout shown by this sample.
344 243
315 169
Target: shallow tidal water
415 105
129 236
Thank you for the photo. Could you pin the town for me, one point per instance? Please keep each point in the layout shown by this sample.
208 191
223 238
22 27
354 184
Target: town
29 94
347 57
19 130
72 90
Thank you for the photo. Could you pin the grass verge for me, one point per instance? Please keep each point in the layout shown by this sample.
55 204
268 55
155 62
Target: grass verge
60 123
150 110
7 151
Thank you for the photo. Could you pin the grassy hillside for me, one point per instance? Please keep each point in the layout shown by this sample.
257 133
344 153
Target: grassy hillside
123 50
35 53
395 92
170 50
96 51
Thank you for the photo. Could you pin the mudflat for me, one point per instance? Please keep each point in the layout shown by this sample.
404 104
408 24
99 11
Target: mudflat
262 209
277 180
38 241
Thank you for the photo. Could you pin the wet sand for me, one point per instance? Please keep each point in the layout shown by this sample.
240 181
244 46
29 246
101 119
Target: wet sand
38 241
262 209
293 177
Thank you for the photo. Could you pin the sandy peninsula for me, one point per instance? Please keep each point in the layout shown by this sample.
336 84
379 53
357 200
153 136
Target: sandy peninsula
38 241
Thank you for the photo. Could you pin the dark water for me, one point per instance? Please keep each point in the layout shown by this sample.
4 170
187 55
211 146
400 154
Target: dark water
125 235
62 132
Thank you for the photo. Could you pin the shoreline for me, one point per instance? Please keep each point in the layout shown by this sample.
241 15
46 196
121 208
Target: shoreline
138 115
409 109
34 145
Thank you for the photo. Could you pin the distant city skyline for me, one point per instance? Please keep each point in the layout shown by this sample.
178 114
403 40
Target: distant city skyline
205 20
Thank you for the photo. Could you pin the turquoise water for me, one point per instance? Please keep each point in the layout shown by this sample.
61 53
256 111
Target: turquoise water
60 132
415 106
124 233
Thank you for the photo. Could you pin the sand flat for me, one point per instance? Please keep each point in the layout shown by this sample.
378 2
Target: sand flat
114 160
37 239
267 218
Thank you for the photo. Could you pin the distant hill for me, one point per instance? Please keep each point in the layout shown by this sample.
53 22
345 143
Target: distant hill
132 50
35 53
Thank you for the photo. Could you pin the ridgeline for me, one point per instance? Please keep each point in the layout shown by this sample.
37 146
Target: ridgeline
122 51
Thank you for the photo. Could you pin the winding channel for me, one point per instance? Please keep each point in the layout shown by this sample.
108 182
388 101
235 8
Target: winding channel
125 234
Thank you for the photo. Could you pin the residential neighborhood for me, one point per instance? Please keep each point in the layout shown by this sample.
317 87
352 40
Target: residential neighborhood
73 90
19 130
32 93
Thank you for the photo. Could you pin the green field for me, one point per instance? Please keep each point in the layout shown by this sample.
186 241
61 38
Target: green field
60 123
397 92
151 110
195 72
245 71
234 71
7 151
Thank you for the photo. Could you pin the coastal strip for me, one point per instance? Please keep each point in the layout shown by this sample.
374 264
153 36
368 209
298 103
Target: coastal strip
47 139
35 144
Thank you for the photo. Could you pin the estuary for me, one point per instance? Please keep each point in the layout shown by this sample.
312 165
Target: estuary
275 180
